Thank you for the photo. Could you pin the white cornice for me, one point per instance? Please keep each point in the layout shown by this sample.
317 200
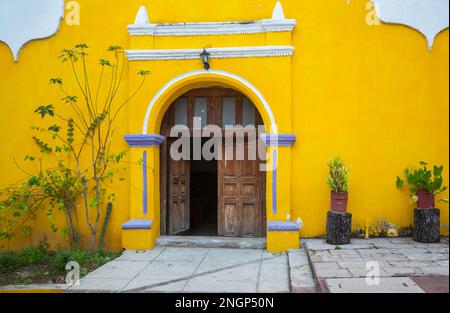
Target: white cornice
278 23
211 29
215 53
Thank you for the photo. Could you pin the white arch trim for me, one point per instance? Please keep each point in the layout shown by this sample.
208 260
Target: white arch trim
177 79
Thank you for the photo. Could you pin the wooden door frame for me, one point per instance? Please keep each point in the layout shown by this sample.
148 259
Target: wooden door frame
216 93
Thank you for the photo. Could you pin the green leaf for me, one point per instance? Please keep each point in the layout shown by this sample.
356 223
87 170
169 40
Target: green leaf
143 73
70 99
33 181
44 110
30 158
42 145
56 81
82 46
114 48
104 62
399 183
54 128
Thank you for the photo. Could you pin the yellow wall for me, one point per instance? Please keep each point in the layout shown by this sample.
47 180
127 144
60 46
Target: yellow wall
373 94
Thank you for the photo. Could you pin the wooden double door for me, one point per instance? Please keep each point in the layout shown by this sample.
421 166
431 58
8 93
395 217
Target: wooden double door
241 185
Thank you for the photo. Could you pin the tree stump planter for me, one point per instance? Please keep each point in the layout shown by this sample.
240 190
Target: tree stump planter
339 228
427 225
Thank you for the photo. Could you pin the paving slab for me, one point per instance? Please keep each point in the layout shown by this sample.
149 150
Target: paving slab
436 271
140 256
395 257
100 285
248 272
336 273
118 270
155 284
300 274
276 286
207 285
387 285
427 257
168 269
433 284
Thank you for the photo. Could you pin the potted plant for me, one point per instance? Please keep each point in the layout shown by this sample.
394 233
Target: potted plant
424 185
339 222
338 183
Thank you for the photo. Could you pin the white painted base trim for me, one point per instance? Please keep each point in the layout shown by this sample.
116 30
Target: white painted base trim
215 53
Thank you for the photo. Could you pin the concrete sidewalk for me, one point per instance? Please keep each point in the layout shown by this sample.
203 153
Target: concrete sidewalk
398 265
205 270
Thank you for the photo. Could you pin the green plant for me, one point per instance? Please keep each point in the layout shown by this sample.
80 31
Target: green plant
338 175
12 261
40 265
80 138
59 187
423 178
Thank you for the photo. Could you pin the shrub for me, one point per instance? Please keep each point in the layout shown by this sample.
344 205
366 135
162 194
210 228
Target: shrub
54 261
12 261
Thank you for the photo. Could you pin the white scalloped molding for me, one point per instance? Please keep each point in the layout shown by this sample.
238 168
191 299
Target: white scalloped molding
215 53
278 23
429 17
24 20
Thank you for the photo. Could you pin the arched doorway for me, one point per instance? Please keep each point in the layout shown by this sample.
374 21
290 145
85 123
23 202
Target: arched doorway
224 196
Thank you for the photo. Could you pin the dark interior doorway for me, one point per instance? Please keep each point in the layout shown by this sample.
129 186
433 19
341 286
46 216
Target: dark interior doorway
203 200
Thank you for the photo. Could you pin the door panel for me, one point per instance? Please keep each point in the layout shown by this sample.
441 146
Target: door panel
240 203
241 186
179 198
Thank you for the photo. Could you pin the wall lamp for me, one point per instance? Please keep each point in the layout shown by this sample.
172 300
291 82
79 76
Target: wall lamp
204 56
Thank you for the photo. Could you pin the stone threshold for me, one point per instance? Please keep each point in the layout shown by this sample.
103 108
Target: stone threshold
211 242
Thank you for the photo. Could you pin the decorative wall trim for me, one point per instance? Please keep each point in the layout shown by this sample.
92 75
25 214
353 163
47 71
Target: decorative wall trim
282 226
278 23
429 17
141 141
199 73
279 140
215 53
273 125
144 183
26 20
137 224
274 182
212 28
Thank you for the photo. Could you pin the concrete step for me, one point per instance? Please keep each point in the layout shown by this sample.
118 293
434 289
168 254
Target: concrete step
211 242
